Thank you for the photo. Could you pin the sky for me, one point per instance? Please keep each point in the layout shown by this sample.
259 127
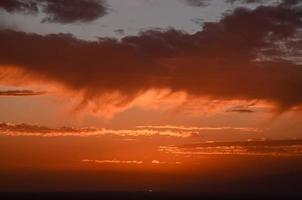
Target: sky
149 86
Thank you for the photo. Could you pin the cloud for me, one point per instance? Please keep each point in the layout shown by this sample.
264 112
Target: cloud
198 3
27 6
74 11
241 111
114 161
247 55
120 31
244 1
244 148
194 128
201 3
28 130
20 93
157 162
58 11
131 162
249 108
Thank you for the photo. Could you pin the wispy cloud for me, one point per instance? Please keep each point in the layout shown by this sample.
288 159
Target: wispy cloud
138 162
21 93
8 129
246 148
157 162
194 128
241 110
114 161
201 3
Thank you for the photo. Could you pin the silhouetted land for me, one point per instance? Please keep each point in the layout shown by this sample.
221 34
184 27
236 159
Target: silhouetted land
136 196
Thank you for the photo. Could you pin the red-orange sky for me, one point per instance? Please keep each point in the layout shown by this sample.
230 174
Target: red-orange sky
203 89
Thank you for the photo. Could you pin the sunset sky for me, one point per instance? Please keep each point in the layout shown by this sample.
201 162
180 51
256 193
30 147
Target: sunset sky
149 86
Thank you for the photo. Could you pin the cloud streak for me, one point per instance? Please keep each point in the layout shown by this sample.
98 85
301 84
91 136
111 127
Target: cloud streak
272 148
201 3
194 128
20 93
130 162
241 111
113 161
27 130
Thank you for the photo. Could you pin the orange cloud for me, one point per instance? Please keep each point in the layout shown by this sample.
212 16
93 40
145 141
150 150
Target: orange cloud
15 130
245 148
194 128
114 161
157 162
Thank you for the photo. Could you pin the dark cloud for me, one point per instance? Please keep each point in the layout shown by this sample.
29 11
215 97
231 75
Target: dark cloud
74 11
201 3
198 3
244 1
239 57
120 31
20 93
24 6
59 11
241 110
